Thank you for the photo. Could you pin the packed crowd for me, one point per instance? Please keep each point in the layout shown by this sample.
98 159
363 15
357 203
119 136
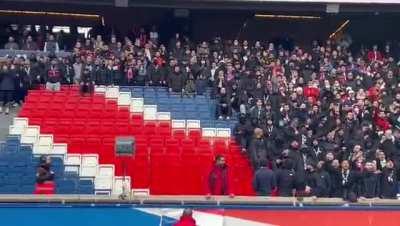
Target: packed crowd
320 121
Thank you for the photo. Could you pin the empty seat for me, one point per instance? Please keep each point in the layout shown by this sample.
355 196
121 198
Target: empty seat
31 134
44 146
124 99
72 163
89 165
137 105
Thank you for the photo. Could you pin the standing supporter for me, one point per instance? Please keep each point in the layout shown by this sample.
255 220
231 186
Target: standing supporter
11 44
53 77
318 181
218 182
370 183
286 178
51 45
258 148
176 80
264 181
224 110
29 44
7 87
348 182
389 181
23 81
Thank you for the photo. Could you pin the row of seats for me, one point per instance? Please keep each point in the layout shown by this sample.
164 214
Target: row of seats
87 166
18 167
178 152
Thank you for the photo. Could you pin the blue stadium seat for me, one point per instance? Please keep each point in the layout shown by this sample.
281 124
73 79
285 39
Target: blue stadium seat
85 187
66 186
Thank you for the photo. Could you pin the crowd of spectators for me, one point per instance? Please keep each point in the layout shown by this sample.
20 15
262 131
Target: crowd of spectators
318 120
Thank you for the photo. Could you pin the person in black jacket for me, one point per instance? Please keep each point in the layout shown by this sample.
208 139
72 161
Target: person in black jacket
370 182
389 181
318 182
243 132
286 178
87 81
22 82
224 110
176 80
264 181
7 87
258 148
348 182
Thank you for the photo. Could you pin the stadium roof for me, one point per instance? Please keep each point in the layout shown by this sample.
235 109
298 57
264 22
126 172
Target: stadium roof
270 5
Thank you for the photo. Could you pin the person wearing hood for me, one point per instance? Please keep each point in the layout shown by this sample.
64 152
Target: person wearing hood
186 219
389 181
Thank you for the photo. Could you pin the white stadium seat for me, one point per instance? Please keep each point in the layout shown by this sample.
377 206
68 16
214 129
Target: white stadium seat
124 99
137 105
106 170
72 163
44 145
193 124
223 132
30 135
103 185
100 89
150 112
119 183
178 124
163 116
60 149
209 132
89 165
112 92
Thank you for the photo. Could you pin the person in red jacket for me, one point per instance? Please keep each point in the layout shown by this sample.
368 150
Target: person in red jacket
374 54
186 219
218 177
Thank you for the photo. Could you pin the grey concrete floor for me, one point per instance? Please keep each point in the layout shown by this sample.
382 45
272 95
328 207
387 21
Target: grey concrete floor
5 122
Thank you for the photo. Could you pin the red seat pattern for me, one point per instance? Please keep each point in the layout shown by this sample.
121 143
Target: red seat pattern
167 161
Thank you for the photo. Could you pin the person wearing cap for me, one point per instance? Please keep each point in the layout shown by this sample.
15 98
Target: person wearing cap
186 219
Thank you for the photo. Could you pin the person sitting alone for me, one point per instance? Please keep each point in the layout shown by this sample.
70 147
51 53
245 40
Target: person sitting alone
44 173
186 219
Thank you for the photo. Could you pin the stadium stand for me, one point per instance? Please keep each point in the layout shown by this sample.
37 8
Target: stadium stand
18 164
85 127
